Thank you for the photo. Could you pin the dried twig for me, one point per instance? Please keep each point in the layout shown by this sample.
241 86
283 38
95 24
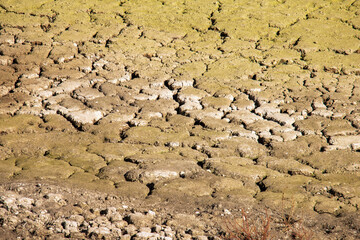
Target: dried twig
247 230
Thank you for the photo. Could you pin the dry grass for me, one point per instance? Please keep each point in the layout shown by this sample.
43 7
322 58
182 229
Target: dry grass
296 229
247 229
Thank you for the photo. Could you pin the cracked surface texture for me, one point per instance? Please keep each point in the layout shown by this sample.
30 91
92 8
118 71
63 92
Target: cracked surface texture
204 101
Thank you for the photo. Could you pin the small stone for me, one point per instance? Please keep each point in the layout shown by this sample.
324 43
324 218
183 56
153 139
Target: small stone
99 231
71 226
157 228
151 213
355 146
126 237
139 219
201 238
8 201
180 83
131 229
145 229
146 235
104 230
78 218
54 197
120 224
227 212
12 220
25 202
115 217
6 60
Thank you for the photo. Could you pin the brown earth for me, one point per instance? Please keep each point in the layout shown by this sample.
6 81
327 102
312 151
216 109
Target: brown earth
179 107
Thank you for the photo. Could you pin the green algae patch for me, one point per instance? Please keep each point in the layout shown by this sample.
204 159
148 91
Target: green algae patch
89 181
142 135
228 188
73 35
176 17
287 184
236 46
339 127
290 166
312 125
149 135
302 146
55 122
320 34
281 56
334 62
180 187
209 135
115 171
227 69
88 162
346 185
333 162
82 177
249 174
331 206
134 46
8 168
216 102
252 20
216 87
43 168
244 147
113 151
20 124
286 202
35 36
21 20
194 69
27 144
110 132
281 74
131 189
24 6
77 156
54 144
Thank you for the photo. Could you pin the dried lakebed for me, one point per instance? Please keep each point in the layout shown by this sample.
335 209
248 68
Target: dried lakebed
178 110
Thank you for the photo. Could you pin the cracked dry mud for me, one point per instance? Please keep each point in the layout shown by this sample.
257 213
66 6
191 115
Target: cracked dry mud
184 110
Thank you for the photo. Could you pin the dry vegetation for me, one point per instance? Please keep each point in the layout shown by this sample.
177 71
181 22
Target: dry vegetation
263 228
